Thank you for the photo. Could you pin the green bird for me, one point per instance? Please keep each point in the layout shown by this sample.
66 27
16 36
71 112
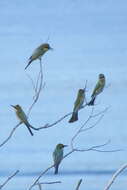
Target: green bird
98 89
41 50
22 117
78 105
58 156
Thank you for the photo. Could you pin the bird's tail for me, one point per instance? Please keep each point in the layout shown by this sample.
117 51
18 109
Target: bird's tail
74 117
91 103
28 63
56 169
28 127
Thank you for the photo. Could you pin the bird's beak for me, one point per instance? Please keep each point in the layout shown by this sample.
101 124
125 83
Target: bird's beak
50 48
12 106
65 145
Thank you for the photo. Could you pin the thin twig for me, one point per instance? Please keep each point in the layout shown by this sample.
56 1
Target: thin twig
46 183
78 185
74 137
8 179
37 83
11 133
93 148
39 185
103 111
92 126
38 88
43 127
111 181
59 120
32 83
53 124
42 173
43 183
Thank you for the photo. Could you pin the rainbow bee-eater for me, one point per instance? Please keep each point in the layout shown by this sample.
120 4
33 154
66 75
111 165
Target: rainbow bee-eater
22 117
58 156
38 53
78 105
98 89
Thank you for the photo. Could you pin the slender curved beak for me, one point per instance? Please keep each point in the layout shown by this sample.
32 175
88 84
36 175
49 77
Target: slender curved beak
51 48
65 145
12 106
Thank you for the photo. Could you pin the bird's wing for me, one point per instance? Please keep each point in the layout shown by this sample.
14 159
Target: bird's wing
79 101
96 89
57 156
22 116
37 53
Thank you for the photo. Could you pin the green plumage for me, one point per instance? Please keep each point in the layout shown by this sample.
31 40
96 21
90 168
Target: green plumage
98 88
22 117
77 105
58 156
40 51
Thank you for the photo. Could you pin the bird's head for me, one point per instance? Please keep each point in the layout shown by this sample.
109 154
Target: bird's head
61 146
16 107
47 47
101 76
81 91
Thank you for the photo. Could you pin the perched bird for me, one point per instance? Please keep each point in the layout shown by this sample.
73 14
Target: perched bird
41 50
58 156
78 105
98 89
22 117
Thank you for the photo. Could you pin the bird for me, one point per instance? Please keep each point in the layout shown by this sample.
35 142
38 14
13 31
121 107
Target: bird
58 156
98 89
38 52
78 105
22 117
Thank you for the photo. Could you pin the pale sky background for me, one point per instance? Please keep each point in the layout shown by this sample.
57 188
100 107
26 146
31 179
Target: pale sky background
89 37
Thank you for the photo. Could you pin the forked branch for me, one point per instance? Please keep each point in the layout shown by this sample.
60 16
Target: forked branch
82 129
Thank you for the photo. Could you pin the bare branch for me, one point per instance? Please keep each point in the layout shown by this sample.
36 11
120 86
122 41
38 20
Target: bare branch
69 153
32 82
43 127
37 87
59 120
85 86
116 150
8 179
53 182
51 125
39 185
9 137
78 185
63 117
36 181
92 115
103 111
37 83
49 183
92 126
111 181
93 148
74 137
